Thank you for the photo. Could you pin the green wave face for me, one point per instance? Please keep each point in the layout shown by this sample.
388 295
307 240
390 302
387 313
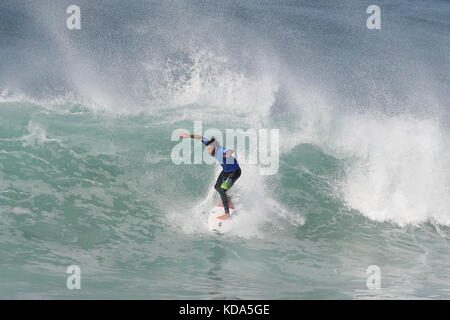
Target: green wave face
359 191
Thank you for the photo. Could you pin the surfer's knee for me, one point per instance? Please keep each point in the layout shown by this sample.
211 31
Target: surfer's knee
222 191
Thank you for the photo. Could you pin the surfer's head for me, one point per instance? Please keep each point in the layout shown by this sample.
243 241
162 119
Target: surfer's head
212 145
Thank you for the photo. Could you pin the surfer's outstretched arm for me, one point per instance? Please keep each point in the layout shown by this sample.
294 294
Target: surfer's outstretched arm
192 136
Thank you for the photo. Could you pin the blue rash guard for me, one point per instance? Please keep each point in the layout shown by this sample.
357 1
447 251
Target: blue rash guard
229 164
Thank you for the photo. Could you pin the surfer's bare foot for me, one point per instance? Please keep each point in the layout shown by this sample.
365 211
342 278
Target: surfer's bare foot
224 217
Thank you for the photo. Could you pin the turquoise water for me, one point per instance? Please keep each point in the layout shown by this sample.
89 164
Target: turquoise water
87 179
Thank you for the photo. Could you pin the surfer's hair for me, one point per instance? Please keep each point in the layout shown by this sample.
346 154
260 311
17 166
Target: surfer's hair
210 141
214 144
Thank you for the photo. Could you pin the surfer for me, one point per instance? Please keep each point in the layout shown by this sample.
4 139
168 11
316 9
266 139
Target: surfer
231 170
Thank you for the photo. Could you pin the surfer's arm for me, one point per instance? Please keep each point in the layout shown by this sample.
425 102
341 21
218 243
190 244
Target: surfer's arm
192 136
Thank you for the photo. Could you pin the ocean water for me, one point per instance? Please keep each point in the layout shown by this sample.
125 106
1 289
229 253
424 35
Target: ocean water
87 178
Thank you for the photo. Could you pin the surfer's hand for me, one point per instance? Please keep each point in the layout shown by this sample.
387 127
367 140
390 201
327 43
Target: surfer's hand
184 135
228 153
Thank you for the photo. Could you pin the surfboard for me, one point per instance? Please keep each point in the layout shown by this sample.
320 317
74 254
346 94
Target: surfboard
221 226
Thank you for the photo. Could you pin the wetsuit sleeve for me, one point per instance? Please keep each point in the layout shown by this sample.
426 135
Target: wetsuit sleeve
205 141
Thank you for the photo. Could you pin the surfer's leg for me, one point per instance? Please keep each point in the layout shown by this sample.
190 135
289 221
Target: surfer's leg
220 179
234 176
223 193
231 177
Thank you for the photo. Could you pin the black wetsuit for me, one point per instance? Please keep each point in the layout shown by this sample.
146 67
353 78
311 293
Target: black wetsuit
231 170
223 176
